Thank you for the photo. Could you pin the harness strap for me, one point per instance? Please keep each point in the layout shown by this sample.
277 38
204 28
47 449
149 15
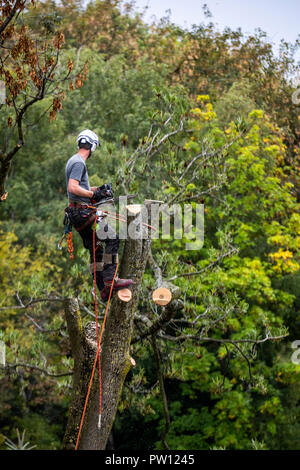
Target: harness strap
79 205
107 258
99 267
110 258
89 220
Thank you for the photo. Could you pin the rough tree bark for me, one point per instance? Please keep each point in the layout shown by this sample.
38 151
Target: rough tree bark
115 350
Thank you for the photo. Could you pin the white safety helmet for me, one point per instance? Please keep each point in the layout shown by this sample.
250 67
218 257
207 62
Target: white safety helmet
88 137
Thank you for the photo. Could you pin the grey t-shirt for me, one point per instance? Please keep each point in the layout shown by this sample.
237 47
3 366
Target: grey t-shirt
76 170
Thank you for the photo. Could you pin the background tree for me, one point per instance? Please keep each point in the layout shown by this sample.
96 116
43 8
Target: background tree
32 70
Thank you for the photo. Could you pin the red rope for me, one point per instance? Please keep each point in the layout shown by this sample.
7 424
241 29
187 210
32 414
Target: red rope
98 346
121 218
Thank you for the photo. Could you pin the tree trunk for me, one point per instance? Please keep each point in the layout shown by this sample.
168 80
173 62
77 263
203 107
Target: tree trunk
115 352
84 348
4 169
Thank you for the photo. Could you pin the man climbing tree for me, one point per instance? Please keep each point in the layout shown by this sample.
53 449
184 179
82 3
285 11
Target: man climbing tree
83 215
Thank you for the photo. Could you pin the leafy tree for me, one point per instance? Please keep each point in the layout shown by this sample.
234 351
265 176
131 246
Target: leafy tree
30 68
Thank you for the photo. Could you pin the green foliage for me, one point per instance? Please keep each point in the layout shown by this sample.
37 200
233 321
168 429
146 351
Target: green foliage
21 444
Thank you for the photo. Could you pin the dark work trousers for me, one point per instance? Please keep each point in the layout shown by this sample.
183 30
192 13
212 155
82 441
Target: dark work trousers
104 235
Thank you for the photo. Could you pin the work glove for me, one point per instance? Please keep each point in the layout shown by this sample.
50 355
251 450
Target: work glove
102 192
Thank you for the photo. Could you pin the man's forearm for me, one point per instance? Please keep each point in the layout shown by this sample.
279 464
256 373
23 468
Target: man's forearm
82 192
79 191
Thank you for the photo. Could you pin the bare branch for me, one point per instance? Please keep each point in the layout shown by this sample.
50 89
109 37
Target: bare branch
32 367
23 306
162 392
246 358
206 268
177 339
207 156
168 313
155 268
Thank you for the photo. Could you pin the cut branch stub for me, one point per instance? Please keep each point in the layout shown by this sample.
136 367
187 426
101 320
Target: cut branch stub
162 296
153 201
133 363
125 295
134 209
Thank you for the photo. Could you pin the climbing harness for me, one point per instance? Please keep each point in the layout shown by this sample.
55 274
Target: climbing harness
89 213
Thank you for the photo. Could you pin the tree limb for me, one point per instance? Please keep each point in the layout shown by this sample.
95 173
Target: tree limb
162 392
32 367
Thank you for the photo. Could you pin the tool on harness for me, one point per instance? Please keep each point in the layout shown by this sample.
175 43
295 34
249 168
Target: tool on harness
81 215
70 245
67 233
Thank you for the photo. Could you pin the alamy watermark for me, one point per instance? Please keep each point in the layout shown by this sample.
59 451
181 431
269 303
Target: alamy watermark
2 353
174 222
296 94
296 354
2 92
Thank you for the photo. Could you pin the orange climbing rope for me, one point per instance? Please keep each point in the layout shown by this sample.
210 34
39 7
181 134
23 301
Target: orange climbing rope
70 245
98 344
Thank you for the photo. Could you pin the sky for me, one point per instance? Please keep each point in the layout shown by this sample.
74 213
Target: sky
278 18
